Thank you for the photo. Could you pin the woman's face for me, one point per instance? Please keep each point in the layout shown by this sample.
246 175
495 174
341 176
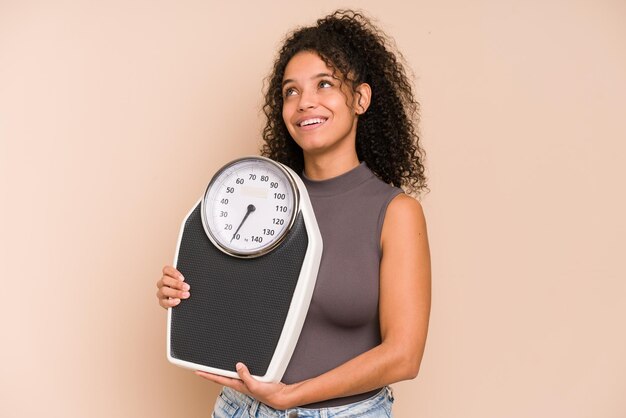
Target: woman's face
318 109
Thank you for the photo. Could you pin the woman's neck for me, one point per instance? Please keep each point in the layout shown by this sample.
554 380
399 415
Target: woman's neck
325 166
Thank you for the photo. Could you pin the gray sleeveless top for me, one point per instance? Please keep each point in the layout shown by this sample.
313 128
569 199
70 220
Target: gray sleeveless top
342 321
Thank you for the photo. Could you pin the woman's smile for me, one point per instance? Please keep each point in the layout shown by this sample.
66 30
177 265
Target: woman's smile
311 123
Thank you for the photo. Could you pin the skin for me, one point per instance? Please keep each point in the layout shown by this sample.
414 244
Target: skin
310 90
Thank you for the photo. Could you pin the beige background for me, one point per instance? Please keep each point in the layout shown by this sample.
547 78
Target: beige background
114 115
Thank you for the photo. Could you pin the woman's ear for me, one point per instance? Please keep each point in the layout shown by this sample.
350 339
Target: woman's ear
364 96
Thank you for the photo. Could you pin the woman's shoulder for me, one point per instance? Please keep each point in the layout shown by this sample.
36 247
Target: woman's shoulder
404 213
402 202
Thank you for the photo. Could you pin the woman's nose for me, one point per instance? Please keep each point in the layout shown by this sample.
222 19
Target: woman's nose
307 101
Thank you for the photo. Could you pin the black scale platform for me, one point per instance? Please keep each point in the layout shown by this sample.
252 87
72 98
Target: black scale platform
231 315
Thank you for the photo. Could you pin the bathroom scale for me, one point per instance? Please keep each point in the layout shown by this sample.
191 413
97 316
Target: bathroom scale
250 251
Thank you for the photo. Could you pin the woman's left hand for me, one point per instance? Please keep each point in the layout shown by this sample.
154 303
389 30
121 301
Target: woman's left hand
271 394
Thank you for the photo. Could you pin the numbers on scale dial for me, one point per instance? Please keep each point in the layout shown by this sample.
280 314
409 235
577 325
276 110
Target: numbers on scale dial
252 206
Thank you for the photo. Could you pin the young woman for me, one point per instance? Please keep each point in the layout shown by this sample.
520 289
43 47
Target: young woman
340 110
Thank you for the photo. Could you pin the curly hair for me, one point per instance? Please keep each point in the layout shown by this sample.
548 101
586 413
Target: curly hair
386 137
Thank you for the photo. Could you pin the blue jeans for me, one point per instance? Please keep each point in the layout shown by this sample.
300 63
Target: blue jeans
233 404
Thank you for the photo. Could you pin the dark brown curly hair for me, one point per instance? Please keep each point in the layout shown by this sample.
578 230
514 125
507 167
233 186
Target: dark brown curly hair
386 137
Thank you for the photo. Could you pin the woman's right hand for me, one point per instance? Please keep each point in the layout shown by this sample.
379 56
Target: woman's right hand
172 288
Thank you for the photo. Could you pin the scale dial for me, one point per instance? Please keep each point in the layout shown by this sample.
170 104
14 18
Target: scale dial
249 206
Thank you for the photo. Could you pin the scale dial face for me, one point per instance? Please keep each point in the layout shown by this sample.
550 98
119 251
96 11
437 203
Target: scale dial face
249 206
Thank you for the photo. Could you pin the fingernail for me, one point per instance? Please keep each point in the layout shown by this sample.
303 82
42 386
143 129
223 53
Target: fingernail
185 294
176 302
239 366
181 277
186 287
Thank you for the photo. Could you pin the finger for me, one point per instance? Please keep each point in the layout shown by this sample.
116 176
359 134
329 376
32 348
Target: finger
167 281
168 292
245 376
169 303
173 272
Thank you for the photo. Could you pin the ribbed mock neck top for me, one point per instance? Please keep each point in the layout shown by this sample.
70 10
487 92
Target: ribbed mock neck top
342 321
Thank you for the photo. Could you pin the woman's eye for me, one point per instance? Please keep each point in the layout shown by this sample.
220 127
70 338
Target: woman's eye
325 84
290 92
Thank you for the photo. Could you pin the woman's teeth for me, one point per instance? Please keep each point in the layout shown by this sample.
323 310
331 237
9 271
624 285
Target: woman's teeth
312 121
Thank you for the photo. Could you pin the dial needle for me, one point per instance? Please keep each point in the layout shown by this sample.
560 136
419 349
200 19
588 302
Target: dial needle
251 209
